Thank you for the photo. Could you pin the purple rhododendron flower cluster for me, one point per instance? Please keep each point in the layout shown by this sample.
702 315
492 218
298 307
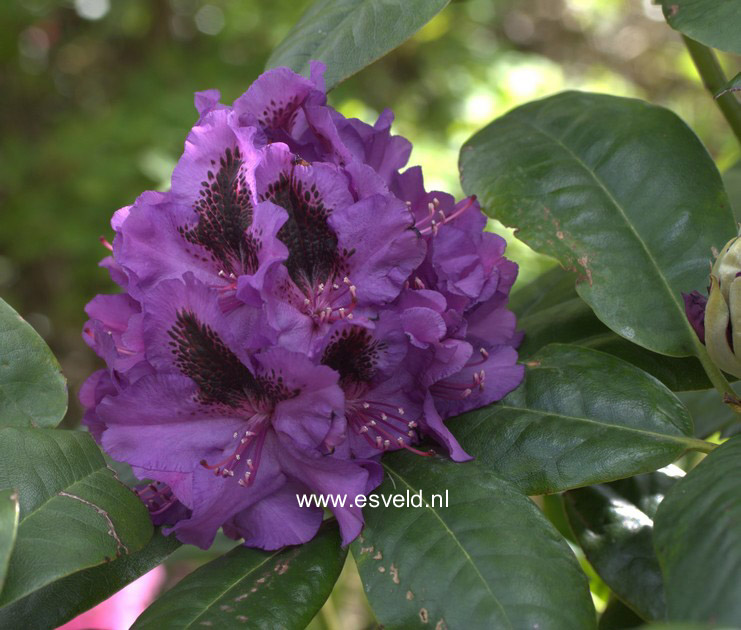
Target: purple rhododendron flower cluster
294 307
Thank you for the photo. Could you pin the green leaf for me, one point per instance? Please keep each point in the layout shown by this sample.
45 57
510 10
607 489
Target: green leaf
8 529
60 601
698 537
489 559
74 514
709 412
555 511
733 85
581 417
677 374
33 392
257 589
551 288
614 525
732 181
716 24
550 311
348 35
619 191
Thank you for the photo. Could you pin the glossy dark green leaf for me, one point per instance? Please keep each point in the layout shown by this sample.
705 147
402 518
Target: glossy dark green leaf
678 374
697 534
614 525
709 412
617 616
716 24
8 529
572 321
348 35
489 559
60 601
732 181
253 589
551 288
733 85
550 311
619 191
581 417
74 513
33 392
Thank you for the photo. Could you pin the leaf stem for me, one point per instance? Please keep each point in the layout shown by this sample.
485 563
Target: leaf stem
702 446
718 380
715 80
713 371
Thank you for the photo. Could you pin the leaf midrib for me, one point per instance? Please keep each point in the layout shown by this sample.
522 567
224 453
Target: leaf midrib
687 441
455 539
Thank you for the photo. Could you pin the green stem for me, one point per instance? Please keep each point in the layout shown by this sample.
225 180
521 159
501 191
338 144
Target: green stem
702 446
714 374
715 80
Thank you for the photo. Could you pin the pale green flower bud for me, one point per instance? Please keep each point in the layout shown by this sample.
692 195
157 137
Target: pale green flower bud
723 311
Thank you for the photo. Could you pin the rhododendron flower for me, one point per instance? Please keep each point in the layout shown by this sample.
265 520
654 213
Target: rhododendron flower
294 307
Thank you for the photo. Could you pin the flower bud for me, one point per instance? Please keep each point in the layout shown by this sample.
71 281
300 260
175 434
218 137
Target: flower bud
723 311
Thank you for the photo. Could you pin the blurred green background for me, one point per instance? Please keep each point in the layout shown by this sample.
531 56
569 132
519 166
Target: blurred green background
96 99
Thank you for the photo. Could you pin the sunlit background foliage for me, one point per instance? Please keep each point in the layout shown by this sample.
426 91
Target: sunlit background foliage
97 97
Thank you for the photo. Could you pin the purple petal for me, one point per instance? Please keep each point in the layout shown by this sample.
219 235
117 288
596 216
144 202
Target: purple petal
694 307
325 475
277 520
